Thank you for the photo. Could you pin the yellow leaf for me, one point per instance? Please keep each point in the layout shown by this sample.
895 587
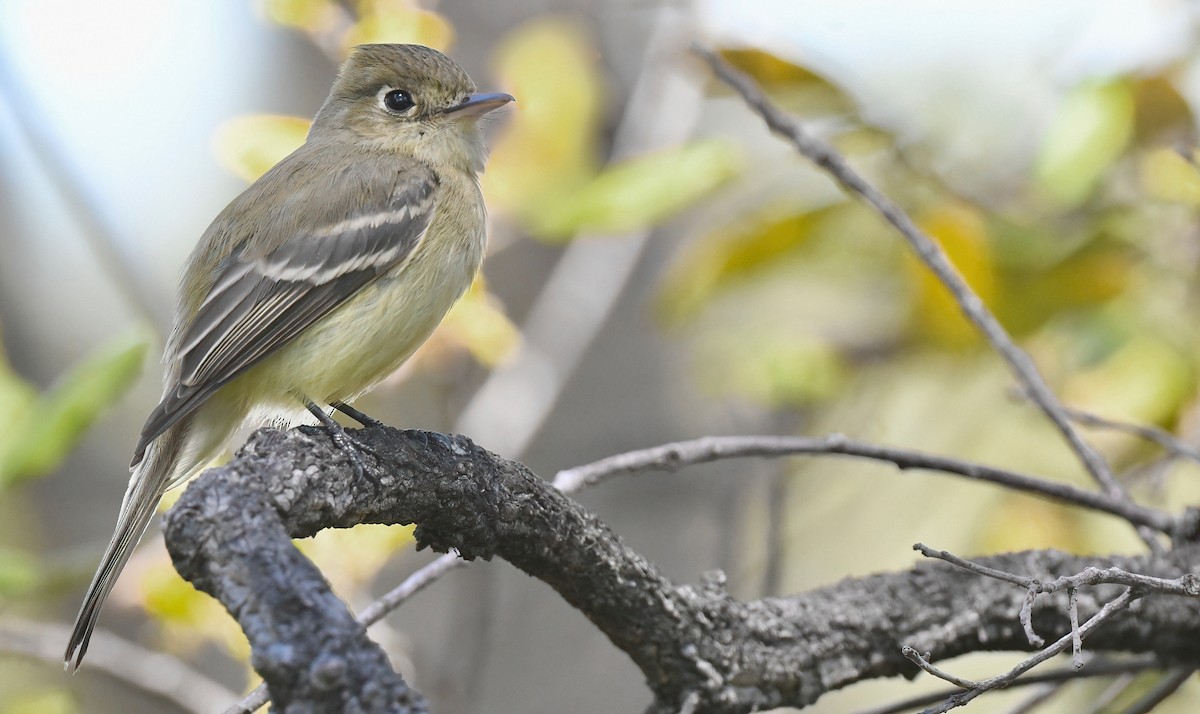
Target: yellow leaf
308 15
1091 129
250 145
190 617
548 148
399 21
478 323
962 234
797 88
733 253
1168 176
349 557
1163 114
640 192
768 69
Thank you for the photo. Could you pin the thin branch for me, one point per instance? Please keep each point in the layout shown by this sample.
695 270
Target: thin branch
922 661
953 702
1188 584
153 673
1076 635
1169 442
934 258
672 456
1163 438
1095 668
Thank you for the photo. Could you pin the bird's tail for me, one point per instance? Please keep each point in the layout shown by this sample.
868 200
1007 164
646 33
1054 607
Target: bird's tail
149 479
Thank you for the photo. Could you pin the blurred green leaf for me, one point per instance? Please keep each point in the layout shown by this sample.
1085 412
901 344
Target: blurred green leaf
1145 380
15 396
640 192
250 145
42 701
1091 129
779 369
51 425
20 573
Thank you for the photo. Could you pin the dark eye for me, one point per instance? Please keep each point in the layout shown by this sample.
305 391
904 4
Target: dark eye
397 100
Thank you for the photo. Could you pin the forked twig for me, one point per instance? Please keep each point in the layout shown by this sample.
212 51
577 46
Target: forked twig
934 258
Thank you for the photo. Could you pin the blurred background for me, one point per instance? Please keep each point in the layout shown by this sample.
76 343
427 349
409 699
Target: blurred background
660 268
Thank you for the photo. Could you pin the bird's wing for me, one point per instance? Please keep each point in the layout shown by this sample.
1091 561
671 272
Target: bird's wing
258 304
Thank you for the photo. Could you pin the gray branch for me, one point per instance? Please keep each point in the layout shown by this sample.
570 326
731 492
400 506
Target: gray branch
696 645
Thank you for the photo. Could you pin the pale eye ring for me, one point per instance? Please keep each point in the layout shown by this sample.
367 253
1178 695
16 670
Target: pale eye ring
396 101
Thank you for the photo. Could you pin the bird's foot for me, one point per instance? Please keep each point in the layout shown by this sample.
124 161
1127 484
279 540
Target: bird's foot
351 447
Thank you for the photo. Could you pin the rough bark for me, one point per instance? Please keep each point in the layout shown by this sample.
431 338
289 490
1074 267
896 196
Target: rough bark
230 535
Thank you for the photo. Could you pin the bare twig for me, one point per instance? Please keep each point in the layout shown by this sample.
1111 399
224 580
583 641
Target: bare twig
258 698
935 259
1094 668
1076 638
151 672
675 455
923 662
1163 438
1184 585
957 700
1188 585
1026 616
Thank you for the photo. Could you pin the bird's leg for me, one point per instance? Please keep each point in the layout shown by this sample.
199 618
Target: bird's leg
345 442
355 414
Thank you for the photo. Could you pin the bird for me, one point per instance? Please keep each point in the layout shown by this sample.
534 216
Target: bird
319 280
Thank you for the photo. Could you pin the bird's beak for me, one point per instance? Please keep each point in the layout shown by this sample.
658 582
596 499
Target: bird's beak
477 105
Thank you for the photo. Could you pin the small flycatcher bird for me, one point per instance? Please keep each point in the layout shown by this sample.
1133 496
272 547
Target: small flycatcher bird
320 279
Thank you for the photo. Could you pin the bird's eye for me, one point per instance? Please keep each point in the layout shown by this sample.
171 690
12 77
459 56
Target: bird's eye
397 100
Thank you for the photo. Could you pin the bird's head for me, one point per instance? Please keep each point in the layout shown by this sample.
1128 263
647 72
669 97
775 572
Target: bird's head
409 99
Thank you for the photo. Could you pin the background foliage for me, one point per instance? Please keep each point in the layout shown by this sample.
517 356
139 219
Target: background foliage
766 302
